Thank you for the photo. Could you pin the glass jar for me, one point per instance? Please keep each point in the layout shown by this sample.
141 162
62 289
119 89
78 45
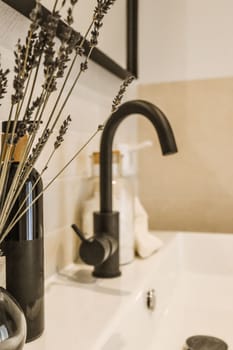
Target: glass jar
12 319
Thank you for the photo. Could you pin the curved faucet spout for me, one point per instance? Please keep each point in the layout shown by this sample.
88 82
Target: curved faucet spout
161 125
106 221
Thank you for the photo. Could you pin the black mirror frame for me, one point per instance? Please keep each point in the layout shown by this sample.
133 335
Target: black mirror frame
25 7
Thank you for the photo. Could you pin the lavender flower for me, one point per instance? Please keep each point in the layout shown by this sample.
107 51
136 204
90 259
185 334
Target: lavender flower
35 16
118 98
49 32
30 110
74 43
25 58
70 18
39 51
38 147
3 82
100 10
62 131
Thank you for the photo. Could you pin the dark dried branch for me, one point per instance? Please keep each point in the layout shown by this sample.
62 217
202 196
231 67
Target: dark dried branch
39 48
70 18
38 147
32 108
62 131
100 10
25 56
3 82
118 98
35 17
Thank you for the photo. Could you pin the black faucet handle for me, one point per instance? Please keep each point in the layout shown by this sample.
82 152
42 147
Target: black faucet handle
95 250
79 232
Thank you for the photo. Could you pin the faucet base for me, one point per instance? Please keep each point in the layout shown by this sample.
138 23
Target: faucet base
101 274
108 223
25 281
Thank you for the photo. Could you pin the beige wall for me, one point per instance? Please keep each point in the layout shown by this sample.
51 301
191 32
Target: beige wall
192 190
185 40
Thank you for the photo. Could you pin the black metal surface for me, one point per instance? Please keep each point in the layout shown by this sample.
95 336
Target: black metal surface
95 250
161 125
99 57
25 281
10 125
24 251
203 342
103 223
132 37
108 223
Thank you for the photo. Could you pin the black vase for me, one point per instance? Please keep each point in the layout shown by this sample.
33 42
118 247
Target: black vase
24 251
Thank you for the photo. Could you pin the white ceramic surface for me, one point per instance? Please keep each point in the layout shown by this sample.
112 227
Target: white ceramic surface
193 280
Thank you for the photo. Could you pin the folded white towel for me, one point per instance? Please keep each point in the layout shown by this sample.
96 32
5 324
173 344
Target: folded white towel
145 243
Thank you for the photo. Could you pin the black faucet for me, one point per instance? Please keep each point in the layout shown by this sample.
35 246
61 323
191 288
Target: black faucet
102 250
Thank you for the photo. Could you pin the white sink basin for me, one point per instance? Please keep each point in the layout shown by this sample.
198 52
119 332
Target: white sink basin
193 281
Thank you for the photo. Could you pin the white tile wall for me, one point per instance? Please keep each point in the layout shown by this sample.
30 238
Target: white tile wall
89 106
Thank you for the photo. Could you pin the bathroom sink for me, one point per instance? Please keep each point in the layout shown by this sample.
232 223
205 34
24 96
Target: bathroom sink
190 279
194 296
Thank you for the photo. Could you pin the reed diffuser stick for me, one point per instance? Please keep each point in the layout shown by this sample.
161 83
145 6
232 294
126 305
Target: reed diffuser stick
116 102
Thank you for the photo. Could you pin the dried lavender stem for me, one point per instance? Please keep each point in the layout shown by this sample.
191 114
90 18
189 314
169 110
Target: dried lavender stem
34 82
19 110
22 73
4 169
61 109
62 131
68 95
115 104
15 181
26 55
31 190
39 177
23 99
7 209
59 114
87 32
2 236
69 72
70 69
66 99
25 92
4 173
14 191
65 82
24 68
14 125
3 150
54 6
44 100
61 91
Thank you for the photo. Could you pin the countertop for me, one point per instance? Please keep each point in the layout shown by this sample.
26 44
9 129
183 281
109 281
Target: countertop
79 308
